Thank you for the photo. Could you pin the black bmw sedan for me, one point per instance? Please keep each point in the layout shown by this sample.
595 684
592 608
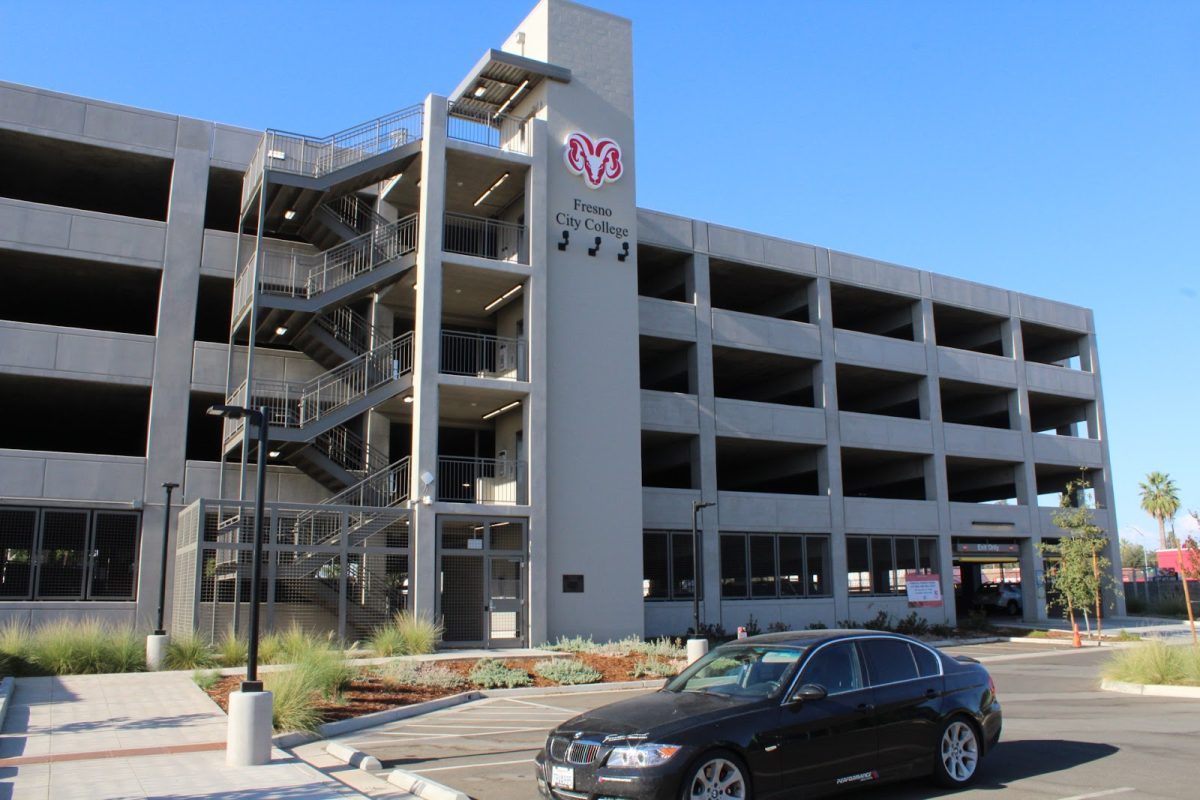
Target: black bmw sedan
783 715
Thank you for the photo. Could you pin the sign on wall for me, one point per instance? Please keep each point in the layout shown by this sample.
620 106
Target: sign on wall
923 589
597 161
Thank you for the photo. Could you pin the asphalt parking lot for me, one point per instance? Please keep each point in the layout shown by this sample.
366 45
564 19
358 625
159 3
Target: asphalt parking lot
1064 739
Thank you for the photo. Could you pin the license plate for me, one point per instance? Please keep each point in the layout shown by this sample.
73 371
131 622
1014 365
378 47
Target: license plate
562 778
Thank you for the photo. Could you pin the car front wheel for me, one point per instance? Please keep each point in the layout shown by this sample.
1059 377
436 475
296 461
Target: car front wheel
718 775
958 754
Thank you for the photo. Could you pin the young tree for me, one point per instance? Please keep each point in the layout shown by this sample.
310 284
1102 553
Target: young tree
1135 555
1160 499
1189 570
1081 574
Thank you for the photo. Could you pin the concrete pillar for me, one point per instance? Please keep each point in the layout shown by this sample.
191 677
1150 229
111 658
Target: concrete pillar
423 568
170 388
535 408
1098 429
248 735
825 381
1033 589
937 483
709 524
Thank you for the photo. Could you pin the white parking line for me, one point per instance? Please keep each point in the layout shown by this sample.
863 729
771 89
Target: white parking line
471 726
1105 793
468 766
446 735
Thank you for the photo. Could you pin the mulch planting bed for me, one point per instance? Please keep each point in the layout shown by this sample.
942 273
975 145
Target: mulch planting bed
369 693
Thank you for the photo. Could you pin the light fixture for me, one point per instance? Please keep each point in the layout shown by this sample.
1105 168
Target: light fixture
503 297
492 188
480 91
510 99
281 330
274 454
289 214
592 250
566 240
408 399
497 412
624 254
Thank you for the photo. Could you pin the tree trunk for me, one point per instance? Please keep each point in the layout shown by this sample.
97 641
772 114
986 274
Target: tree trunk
1162 531
1099 592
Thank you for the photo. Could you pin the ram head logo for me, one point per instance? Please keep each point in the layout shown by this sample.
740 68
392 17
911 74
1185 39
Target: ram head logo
596 162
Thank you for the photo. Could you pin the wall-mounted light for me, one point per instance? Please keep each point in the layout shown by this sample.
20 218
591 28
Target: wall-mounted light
502 297
281 330
566 240
408 399
480 91
624 254
289 214
497 412
274 454
592 250
492 188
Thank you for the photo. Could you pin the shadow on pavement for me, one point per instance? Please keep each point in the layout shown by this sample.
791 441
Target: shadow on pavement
1009 762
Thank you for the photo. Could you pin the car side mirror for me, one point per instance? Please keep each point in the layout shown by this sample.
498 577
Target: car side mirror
809 691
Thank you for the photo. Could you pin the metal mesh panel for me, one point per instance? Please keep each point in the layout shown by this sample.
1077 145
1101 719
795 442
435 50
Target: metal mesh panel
462 597
506 536
17 528
307 592
458 535
183 606
390 533
63 555
114 555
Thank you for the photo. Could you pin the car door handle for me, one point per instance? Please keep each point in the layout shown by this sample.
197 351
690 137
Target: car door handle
865 708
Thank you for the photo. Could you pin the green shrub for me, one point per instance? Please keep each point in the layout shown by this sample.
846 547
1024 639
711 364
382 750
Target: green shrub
975 621
654 668
15 643
566 671
662 647
412 673
188 652
292 695
880 622
1126 636
85 647
326 671
620 647
491 674
1155 662
1038 635
289 645
821 626
941 631
912 625
233 651
407 634
778 626
571 644
206 678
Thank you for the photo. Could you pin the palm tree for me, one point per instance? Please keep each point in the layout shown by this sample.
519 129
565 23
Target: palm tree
1160 499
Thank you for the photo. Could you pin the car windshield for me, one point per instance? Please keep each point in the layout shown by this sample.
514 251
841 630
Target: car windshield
747 672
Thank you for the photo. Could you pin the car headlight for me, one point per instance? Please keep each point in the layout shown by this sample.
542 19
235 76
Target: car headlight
641 755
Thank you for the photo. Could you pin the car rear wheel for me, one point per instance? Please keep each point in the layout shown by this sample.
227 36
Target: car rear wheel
717 775
958 754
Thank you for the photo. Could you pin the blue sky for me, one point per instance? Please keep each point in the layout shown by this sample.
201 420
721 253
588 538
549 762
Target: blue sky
1050 148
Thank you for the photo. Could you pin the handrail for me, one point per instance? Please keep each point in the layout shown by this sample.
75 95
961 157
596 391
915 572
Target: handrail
490 130
348 327
296 405
481 480
349 451
281 151
356 213
482 355
485 238
382 489
292 273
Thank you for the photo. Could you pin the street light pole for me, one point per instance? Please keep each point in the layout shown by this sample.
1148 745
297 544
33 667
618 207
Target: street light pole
160 630
696 506
249 737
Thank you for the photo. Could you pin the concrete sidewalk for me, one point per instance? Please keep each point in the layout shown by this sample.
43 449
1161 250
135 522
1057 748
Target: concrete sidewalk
1142 626
145 735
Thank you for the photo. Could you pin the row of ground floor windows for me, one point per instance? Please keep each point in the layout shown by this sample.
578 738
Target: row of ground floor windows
68 554
784 565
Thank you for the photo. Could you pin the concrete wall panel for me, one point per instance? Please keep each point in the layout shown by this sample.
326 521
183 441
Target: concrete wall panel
769 421
668 411
964 365
23 107
990 518
664 229
752 511
979 442
736 329
876 274
736 245
872 515
208 366
70 476
1051 449
868 350
1051 312
1060 380
130 126
81 234
76 353
885 433
968 294
666 318
233 147
668 508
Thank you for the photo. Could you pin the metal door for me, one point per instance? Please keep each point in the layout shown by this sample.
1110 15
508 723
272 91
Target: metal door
506 608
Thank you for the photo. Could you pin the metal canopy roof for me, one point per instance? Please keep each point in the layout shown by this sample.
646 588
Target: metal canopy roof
496 78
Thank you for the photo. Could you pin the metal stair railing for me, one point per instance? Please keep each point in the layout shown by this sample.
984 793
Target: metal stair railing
490 130
297 405
349 451
348 327
293 273
482 355
356 213
485 238
313 156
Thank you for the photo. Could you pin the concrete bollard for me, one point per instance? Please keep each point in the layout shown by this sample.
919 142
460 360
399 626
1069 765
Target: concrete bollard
695 649
248 742
156 651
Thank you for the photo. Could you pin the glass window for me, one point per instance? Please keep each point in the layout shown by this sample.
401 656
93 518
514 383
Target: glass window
739 672
890 660
927 555
818 564
881 565
654 565
733 566
906 562
683 574
791 566
835 667
927 662
858 565
762 566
